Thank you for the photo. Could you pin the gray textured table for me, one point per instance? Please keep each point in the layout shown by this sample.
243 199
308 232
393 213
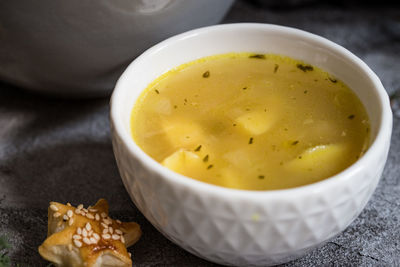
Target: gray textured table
61 150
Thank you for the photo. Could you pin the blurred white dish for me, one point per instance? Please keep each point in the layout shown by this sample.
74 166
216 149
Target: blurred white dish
80 48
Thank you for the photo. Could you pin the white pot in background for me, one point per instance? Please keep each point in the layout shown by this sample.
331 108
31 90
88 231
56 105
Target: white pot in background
80 48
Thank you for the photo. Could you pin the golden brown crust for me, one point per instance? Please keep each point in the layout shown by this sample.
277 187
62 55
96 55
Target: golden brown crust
87 237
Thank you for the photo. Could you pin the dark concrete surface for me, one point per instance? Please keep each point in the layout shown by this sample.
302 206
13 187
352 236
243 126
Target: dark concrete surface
52 149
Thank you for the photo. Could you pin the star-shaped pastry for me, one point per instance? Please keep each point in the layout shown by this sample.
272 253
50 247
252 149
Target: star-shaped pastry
87 237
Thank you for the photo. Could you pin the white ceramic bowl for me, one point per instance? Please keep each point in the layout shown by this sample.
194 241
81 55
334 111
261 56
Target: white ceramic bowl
238 227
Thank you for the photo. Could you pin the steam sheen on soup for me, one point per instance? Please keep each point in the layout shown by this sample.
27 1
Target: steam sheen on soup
251 121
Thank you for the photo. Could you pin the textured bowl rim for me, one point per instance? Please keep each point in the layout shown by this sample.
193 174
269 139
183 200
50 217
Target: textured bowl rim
383 133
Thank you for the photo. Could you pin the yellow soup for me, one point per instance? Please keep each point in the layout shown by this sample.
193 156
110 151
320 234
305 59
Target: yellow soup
251 121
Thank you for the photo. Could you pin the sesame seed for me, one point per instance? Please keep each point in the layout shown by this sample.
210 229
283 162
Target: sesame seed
69 204
106 236
85 210
130 255
111 229
90 216
77 237
70 213
71 221
90 233
77 211
97 217
57 214
79 231
122 239
86 240
107 221
88 226
93 240
118 231
65 217
118 221
80 206
78 243
105 230
93 210
84 232
103 215
104 225
53 207
70 247
95 235
115 237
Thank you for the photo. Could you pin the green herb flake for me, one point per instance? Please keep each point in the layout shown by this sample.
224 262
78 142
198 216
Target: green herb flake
305 92
3 243
276 68
244 88
210 166
251 140
261 177
295 142
206 74
205 159
175 106
257 56
350 117
158 92
300 157
305 68
332 80
234 124
198 148
4 258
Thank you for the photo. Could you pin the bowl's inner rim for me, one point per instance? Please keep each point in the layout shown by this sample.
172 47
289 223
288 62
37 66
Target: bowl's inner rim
122 104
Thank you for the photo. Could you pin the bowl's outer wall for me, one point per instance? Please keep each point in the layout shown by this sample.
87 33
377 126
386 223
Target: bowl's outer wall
241 228
80 48
242 232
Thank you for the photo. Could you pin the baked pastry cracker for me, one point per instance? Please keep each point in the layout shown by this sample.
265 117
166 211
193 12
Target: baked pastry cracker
87 237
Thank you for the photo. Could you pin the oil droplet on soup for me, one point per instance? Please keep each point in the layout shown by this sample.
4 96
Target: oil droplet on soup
251 121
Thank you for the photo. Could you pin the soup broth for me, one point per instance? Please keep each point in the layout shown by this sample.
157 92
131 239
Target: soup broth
251 121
